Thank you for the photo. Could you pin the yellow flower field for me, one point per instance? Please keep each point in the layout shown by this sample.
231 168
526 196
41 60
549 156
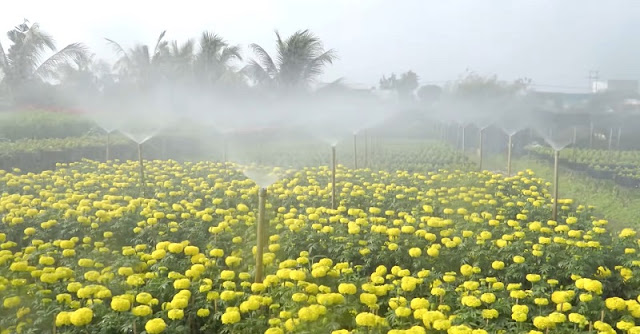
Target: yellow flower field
441 252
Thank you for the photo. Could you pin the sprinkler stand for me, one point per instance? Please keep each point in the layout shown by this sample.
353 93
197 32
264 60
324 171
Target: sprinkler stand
556 158
333 177
509 155
366 149
355 151
463 133
142 181
480 147
260 233
108 153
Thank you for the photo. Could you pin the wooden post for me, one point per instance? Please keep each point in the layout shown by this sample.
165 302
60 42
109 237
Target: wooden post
610 138
556 157
333 177
260 240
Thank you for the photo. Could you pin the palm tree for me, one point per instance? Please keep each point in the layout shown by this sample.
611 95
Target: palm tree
138 65
214 60
22 64
300 59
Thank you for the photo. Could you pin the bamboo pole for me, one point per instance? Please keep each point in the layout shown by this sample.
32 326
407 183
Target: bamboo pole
260 240
142 181
333 177
556 157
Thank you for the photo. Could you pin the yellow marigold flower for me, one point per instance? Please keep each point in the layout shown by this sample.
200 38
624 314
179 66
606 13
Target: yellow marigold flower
155 326
120 304
141 311
81 317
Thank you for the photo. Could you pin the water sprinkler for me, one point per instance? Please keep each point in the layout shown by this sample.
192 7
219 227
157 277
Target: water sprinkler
333 177
260 234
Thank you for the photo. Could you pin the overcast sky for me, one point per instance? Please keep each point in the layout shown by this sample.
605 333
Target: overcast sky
556 43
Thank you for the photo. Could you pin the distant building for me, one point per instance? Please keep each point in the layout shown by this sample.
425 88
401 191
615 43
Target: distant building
623 86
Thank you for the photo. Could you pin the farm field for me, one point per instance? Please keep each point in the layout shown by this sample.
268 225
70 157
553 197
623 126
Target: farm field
403 252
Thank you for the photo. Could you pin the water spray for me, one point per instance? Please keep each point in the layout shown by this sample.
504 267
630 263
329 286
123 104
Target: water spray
260 234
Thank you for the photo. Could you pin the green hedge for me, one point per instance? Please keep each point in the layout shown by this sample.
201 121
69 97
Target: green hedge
42 124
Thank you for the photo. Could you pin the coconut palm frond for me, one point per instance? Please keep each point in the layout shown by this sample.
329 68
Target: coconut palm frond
265 60
74 53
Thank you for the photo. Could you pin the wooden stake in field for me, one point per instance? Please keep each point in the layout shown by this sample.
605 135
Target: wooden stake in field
333 177
556 158
260 234
142 181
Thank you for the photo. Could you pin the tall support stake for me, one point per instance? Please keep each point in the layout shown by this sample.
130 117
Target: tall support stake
574 141
556 158
142 181
260 234
618 139
355 151
509 155
463 131
333 177
610 139
366 149
591 134
480 147
108 153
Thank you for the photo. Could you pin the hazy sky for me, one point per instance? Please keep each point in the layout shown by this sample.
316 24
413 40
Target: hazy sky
556 43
